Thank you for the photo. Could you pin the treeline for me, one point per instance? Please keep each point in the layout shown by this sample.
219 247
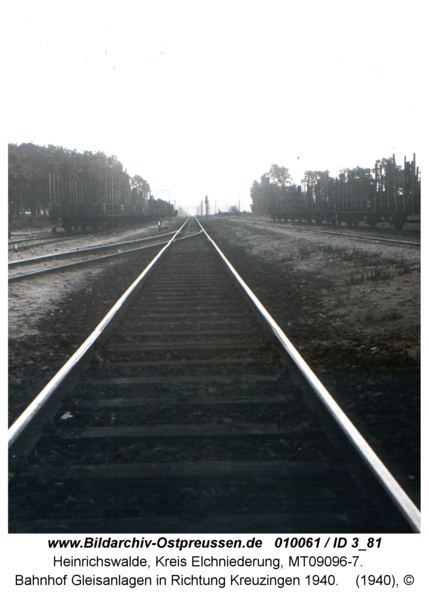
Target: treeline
42 176
385 185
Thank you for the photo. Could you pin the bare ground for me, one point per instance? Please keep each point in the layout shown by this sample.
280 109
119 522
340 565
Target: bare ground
32 299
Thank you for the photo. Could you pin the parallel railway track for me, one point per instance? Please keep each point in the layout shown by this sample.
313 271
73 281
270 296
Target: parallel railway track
47 235
316 229
191 416
47 239
73 259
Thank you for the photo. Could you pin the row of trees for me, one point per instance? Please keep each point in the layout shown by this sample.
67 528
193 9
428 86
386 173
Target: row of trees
386 187
40 177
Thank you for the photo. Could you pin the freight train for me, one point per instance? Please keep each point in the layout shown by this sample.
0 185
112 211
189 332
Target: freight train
387 193
108 214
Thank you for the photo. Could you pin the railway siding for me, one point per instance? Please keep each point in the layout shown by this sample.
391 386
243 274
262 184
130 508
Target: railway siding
50 317
85 241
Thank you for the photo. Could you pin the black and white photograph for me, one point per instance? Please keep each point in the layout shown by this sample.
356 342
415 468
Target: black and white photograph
214 227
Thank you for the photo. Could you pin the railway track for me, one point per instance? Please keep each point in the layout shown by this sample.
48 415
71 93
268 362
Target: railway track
41 240
186 411
32 238
101 252
315 229
48 238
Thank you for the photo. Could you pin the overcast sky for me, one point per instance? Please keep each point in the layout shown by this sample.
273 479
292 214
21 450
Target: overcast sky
200 98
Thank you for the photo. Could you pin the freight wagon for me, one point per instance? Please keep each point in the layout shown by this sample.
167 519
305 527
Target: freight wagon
105 215
386 193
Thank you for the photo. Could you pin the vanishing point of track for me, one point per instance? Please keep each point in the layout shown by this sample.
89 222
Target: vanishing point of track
188 410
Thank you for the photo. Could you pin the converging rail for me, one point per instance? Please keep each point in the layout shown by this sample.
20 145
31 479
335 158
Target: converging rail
182 412
91 250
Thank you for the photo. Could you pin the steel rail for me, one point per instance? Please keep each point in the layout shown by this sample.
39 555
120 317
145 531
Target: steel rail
28 261
49 239
29 413
27 246
315 225
33 239
30 246
15 278
187 236
42 272
351 235
394 490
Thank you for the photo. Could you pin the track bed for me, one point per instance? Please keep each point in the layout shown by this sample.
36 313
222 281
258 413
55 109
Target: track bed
190 419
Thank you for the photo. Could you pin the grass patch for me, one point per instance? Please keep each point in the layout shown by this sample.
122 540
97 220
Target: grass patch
304 251
390 315
403 268
356 278
340 302
375 274
379 274
345 254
